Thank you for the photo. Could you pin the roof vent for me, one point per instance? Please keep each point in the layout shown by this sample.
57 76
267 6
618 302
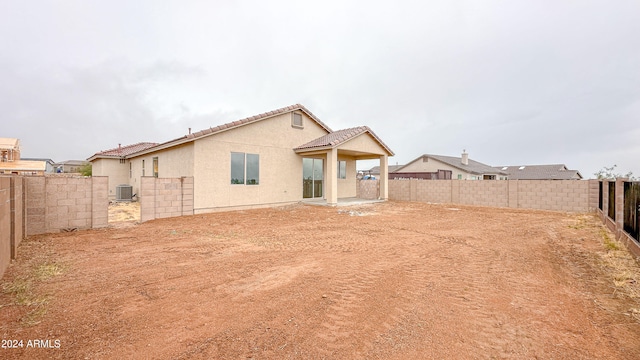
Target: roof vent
124 192
521 168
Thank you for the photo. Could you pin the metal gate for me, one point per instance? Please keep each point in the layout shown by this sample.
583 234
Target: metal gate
632 209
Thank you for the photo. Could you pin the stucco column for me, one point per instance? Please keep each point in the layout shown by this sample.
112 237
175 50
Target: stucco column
332 177
384 177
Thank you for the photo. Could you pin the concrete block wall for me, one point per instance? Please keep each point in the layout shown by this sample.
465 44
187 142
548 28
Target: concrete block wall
399 190
18 223
484 193
12 219
562 195
368 189
36 210
100 201
5 224
187 195
557 195
432 191
165 197
63 203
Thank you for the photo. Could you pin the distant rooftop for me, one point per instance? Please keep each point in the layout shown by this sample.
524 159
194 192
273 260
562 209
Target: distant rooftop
122 151
472 166
38 159
73 162
540 172
376 169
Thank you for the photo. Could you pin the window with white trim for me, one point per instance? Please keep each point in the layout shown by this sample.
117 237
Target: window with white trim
155 167
296 120
342 169
245 169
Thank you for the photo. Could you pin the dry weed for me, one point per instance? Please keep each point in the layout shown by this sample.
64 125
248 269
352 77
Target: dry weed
24 292
622 267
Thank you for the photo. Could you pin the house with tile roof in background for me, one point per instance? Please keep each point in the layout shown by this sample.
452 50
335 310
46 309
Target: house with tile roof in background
278 157
114 164
429 166
540 172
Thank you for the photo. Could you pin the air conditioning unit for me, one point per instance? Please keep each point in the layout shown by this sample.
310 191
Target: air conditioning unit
124 193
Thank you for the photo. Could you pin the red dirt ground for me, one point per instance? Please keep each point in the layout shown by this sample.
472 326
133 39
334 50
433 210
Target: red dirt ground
386 281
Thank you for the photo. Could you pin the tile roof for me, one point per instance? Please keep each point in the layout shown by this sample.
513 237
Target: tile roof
332 139
474 167
255 118
336 138
540 172
122 151
234 124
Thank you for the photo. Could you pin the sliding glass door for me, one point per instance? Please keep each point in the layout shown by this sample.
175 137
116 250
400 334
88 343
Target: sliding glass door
312 176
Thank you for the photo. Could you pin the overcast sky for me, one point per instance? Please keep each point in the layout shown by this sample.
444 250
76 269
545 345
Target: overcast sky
512 82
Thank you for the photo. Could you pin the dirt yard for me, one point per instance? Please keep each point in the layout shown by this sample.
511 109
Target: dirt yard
385 281
123 214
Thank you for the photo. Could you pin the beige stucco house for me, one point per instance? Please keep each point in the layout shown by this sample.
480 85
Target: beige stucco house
282 156
461 168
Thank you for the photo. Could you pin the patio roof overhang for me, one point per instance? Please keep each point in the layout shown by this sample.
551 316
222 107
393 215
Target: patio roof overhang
358 155
360 143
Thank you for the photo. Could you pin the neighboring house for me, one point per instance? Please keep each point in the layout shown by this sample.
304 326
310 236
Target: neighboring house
449 167
11 163
282 156
540 172
375 171
111 163
70 166
49 164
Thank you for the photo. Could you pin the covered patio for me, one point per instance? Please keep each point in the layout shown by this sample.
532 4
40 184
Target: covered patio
351 201
340 150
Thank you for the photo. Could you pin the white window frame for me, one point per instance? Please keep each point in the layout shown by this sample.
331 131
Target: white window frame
294 123
342 171
245 169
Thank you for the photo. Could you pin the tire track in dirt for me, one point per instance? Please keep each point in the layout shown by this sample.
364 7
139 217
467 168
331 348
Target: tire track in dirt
347 297
356 304
466 281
